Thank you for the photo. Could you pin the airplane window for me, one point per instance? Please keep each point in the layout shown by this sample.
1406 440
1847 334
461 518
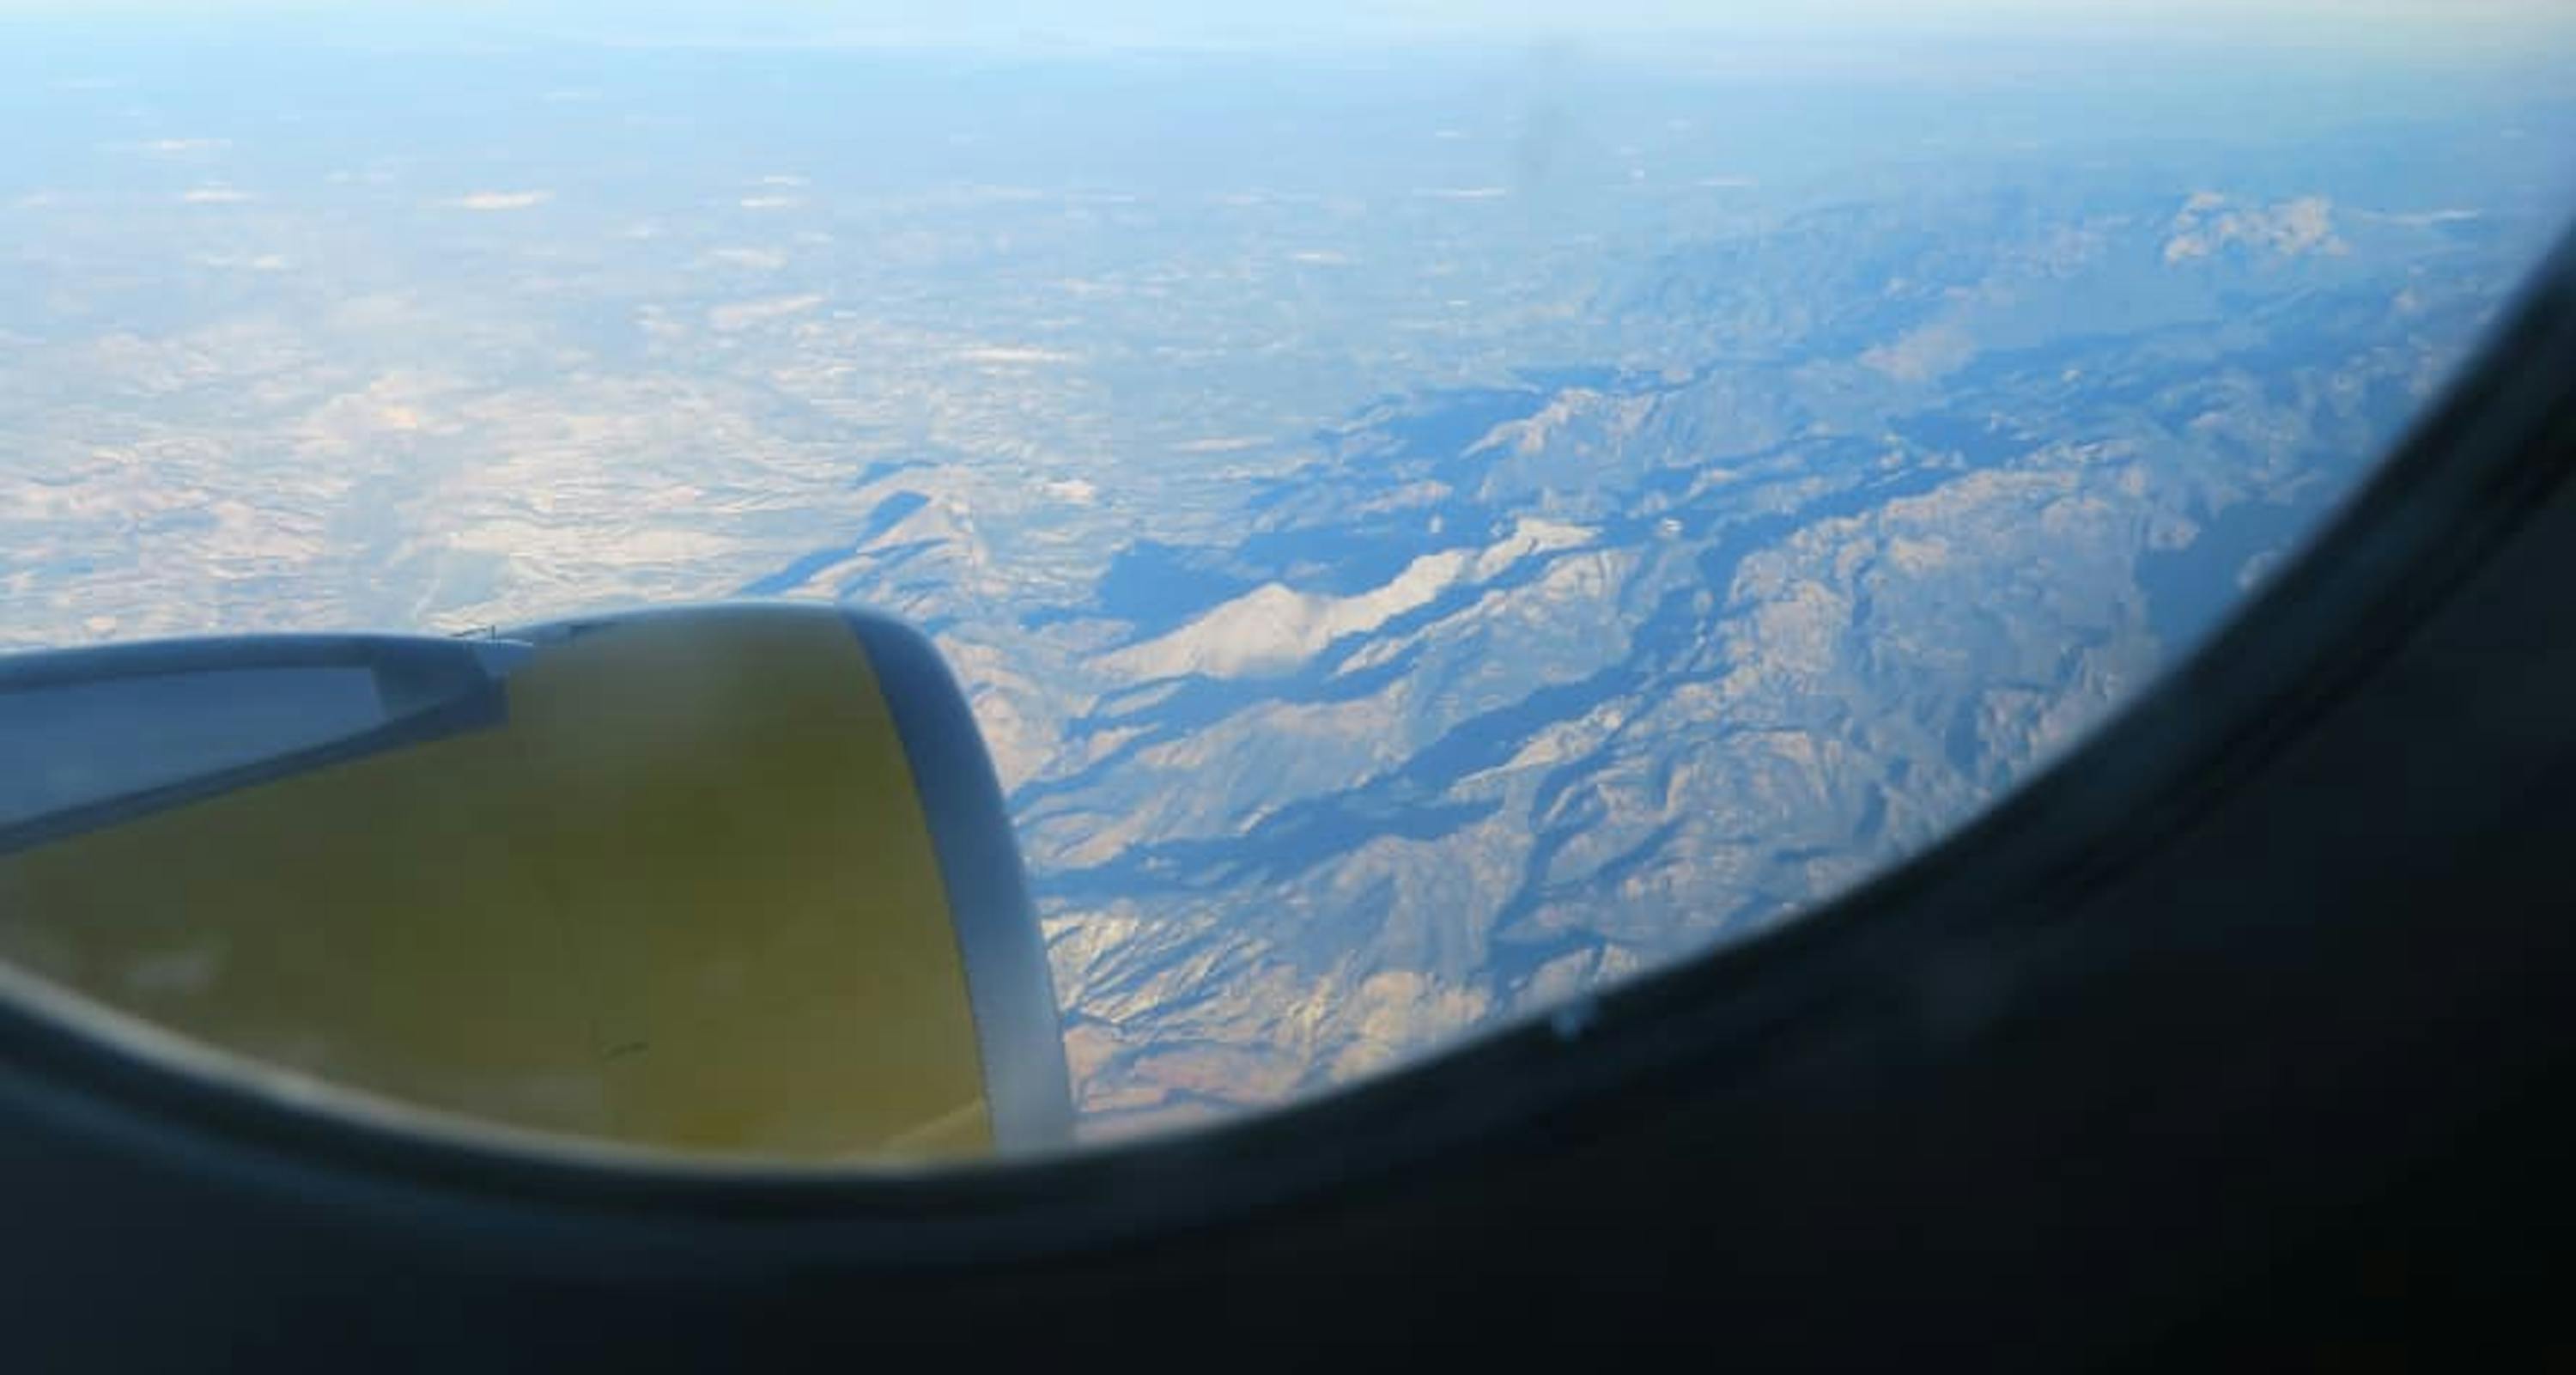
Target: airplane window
1431 509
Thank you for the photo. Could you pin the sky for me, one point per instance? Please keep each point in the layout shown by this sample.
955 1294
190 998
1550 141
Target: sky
2394 24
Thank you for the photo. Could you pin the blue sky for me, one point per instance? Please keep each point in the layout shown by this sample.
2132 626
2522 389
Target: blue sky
2410 25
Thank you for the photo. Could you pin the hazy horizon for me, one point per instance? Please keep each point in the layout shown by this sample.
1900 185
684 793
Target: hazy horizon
2513 30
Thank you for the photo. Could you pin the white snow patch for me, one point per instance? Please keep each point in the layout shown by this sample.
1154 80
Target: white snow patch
1274 628
500 200
1002 356
2209 222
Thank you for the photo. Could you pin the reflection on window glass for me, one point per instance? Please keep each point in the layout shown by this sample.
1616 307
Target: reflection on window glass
1433 514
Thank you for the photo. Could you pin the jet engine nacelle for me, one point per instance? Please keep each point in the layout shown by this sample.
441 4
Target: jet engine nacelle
731 879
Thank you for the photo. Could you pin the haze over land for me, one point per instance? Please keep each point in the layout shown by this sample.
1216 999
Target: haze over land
1427 530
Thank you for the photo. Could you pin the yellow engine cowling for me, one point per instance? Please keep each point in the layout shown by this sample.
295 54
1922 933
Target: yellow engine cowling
731 879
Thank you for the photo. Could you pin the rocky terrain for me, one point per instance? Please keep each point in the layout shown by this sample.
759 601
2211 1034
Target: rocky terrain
1408 578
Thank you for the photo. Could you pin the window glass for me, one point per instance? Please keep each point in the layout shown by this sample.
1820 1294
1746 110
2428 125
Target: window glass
1436 508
